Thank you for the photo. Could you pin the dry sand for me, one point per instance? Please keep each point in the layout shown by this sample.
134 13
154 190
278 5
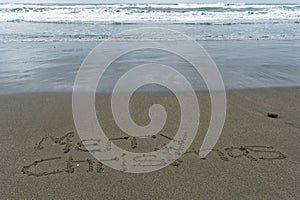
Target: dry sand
257 157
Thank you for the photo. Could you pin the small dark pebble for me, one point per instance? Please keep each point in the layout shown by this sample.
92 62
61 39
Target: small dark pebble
273 115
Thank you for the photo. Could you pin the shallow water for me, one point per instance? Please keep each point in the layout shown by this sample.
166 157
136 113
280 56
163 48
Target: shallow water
41 66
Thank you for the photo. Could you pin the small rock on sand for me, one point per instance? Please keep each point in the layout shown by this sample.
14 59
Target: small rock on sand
273 115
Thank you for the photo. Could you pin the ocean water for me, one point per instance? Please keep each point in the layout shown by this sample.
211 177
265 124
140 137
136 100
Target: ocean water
43 45
201 21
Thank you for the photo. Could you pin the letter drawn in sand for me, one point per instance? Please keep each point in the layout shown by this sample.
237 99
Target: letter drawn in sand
71 162
39 146
221 155
26 169
133 143
237 152
147 160
65 140
90 142
267 151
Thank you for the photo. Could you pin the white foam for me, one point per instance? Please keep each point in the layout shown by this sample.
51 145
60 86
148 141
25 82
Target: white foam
144 13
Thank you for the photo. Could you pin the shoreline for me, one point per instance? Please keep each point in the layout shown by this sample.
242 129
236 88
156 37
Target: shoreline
68 92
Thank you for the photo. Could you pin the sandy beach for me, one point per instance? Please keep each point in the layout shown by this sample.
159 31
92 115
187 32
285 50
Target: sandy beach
51 48
257 157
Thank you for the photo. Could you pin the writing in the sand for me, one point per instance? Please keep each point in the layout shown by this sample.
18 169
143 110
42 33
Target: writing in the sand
68 163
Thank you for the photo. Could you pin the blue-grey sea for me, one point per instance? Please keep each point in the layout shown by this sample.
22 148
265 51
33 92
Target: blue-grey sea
43 45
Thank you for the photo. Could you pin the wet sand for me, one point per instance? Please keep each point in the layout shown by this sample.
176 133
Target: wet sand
257 157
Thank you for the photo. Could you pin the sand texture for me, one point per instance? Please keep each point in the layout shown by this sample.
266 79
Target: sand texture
257 157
